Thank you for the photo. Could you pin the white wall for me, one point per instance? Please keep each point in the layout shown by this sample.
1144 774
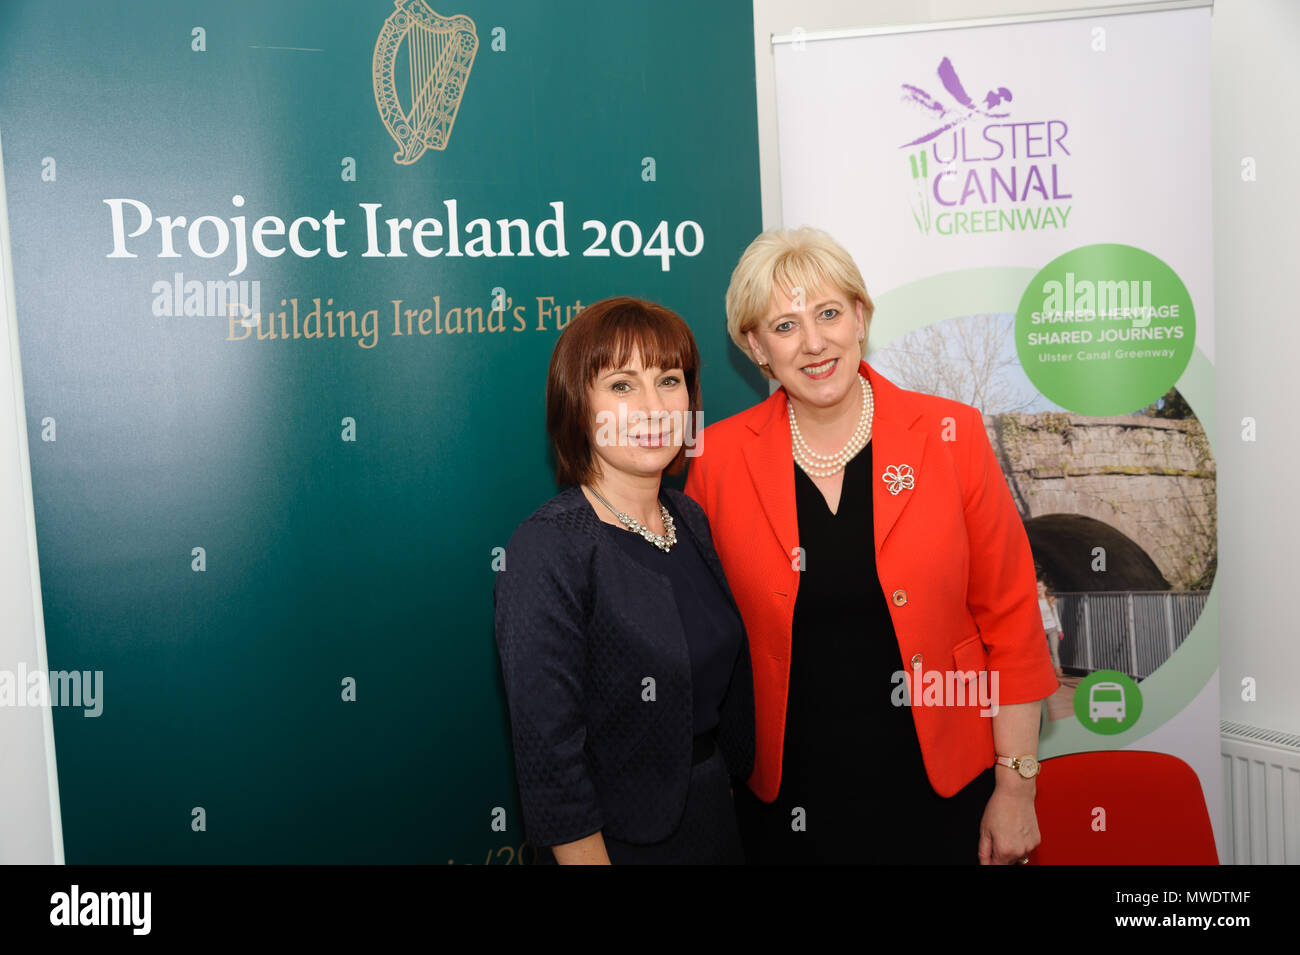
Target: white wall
1255 77
30 829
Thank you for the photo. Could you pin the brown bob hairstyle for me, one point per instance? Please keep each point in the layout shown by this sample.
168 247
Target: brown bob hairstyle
603 337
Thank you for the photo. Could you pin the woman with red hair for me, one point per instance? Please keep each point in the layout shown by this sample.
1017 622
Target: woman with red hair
623 651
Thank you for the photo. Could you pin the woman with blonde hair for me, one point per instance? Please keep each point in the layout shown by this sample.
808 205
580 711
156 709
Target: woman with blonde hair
886 584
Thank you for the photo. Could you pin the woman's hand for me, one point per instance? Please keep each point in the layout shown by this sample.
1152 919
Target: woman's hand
1009 829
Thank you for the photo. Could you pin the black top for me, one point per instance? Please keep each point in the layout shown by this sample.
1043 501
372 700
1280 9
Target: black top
713 630
851 758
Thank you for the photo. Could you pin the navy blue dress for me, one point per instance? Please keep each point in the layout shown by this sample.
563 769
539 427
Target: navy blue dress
851 758
707 833
583 612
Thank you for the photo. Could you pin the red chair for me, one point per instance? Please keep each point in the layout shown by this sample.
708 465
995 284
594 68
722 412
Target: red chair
1154 811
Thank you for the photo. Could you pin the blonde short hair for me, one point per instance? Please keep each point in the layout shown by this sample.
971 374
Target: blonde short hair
789 259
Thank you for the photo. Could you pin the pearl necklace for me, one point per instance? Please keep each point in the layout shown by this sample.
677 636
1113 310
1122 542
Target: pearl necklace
825 465
663 541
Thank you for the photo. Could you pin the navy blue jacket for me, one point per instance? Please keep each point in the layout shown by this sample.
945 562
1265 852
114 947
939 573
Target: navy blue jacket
579 625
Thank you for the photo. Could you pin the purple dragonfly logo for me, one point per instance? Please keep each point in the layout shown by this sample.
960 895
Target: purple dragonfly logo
950 116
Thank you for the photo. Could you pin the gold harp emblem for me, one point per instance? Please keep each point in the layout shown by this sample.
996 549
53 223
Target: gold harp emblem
439 53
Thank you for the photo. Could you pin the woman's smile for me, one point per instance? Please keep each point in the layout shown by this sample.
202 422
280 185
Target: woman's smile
824 370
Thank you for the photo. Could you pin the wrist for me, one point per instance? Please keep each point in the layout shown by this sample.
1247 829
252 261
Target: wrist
1010 782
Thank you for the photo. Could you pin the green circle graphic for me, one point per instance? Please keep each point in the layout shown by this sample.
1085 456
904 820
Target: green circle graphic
1105 329
1107 702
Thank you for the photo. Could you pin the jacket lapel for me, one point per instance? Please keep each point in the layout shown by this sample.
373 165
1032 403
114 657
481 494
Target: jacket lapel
771 468
893 444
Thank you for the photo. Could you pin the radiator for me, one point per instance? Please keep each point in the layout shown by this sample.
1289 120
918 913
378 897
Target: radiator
1261 795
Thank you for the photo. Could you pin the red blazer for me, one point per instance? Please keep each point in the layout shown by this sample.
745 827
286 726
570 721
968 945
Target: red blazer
951 554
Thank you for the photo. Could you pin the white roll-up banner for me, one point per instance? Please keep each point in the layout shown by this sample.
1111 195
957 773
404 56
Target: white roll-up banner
1029 203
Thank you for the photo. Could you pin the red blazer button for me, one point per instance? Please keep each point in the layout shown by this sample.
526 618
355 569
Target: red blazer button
900 597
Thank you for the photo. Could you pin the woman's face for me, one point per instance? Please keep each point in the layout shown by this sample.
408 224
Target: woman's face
811 343
639 417
1042 589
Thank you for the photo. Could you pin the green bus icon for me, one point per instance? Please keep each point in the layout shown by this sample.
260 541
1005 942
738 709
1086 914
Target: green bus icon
1106 701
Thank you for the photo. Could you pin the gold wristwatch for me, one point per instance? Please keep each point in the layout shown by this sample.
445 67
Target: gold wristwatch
1026 766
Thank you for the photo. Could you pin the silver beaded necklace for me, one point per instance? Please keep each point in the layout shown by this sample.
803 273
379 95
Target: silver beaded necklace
663 541
825 465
